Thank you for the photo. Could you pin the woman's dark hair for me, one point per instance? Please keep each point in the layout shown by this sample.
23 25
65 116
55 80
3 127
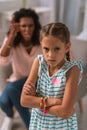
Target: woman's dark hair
30 13
58 30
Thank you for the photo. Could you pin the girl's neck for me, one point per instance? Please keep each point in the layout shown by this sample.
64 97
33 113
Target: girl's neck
53 70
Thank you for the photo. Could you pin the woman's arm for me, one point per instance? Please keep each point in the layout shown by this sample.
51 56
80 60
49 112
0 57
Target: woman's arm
5 51
28 96
14 28
66 108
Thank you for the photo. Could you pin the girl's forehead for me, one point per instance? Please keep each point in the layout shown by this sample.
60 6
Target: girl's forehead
51 40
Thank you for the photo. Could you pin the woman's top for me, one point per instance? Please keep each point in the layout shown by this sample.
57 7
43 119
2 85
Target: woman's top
53 86
20 59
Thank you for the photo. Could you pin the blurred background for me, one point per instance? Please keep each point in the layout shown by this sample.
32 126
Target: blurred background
71 12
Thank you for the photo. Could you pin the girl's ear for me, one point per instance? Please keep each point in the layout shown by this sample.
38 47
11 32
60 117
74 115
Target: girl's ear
68 46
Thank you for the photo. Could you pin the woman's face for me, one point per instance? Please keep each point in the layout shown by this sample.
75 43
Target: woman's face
27 27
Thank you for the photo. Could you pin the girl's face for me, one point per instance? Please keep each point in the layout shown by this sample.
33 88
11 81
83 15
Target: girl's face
54 51
27 28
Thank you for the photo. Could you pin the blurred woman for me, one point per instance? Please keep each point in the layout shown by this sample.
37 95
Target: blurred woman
20 47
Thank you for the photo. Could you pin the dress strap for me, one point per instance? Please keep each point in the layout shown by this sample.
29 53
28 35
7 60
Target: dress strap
80 65
69 65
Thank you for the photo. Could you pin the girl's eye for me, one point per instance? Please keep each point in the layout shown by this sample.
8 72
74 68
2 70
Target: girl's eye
57 49
46 49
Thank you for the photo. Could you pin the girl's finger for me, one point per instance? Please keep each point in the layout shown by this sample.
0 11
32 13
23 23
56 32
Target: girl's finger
28 90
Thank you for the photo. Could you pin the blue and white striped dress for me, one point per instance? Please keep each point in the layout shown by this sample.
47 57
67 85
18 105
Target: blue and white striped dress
53 86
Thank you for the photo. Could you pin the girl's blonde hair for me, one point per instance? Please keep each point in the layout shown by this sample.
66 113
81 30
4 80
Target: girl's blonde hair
58 30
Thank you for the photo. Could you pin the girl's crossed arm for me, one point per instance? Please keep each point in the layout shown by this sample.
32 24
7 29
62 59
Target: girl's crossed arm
29 97
66 109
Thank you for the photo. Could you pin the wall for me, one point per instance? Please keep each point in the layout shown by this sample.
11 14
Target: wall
9 5
79 48
51 4
85 17
71 14
15 4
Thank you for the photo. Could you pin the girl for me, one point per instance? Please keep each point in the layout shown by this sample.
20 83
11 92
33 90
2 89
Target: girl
57 82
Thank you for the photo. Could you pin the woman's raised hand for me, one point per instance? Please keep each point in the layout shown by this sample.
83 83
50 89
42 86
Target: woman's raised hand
14 27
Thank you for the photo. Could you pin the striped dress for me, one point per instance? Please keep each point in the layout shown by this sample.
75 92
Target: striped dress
53 86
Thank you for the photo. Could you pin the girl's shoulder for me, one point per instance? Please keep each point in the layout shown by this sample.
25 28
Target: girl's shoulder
69 64
41 58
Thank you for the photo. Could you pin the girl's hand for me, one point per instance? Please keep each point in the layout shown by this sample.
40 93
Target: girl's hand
53 101
51 110
29 89
72 112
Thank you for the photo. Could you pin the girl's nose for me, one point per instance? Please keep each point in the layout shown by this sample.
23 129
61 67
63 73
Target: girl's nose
51 54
